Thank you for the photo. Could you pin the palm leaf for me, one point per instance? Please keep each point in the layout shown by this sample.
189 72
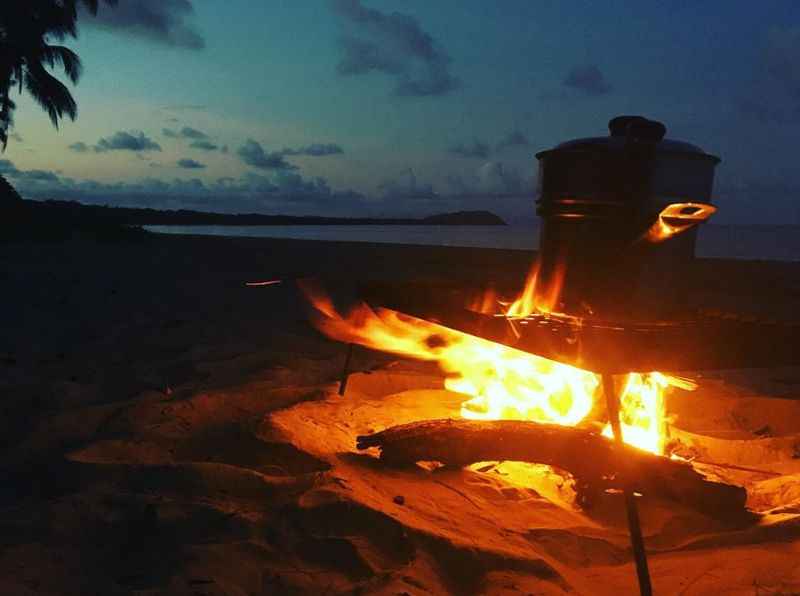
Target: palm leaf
25 28
50 94
55 56
6 117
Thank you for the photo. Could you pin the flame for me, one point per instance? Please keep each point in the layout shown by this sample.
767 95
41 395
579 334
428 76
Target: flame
537 296
486 303
642 416
502 382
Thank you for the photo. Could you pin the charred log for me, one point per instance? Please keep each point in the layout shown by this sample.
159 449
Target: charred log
595 462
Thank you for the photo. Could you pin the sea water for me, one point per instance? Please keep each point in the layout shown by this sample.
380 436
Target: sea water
760 242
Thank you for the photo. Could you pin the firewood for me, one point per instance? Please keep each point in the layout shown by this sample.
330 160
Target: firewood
594 461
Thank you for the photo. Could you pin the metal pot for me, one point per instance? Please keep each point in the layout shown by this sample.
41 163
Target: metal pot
620 216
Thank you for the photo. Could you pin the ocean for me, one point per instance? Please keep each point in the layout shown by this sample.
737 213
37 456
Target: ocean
755 242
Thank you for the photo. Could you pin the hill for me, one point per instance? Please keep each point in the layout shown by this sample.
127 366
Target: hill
71 210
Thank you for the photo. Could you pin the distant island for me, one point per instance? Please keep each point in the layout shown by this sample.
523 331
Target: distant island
131 216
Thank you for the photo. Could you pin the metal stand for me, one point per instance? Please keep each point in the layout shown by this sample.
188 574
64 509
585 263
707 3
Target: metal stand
346 370
634 528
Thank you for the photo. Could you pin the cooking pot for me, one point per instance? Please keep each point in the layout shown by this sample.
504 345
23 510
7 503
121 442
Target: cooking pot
619 220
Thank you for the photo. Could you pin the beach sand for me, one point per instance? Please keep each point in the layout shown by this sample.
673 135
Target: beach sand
167 429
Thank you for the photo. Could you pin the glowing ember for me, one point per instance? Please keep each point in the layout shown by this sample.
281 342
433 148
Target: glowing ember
261 284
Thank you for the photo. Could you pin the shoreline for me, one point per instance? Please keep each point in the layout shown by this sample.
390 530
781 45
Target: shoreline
723 242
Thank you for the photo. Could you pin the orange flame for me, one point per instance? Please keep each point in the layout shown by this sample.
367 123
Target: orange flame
536 296
502 382
487 303
642 416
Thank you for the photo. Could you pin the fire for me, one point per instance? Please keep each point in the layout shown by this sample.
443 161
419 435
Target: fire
502 382
642 414
536 296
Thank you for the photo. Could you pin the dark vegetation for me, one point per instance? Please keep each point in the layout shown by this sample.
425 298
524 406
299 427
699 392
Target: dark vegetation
63 219
131 216
29 221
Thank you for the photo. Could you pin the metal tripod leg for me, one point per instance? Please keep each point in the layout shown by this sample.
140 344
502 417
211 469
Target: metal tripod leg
634 528
346 370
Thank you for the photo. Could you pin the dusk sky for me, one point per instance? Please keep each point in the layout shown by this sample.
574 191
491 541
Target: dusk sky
373 107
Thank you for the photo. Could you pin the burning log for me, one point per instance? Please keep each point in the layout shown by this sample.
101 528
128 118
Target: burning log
593 460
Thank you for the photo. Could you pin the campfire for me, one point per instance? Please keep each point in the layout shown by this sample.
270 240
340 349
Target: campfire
585 351
500 382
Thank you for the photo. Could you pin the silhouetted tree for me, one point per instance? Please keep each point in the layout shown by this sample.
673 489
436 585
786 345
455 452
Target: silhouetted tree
27 28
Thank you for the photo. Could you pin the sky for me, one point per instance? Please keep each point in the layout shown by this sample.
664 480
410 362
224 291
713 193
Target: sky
373 107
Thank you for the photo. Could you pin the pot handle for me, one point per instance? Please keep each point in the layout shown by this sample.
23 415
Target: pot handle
686 213
676 218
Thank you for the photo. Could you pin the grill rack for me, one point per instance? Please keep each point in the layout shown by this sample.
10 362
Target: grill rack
699 341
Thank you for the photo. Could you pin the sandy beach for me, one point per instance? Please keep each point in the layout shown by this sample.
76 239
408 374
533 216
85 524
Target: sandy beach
167 429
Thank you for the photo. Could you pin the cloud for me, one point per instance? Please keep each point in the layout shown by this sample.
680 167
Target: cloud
587 80
497 179
161 21
253 154
79 147
7 168
185 108
38 176
396 45
491 179
406 186
187 132
315 150
123 141
281 192
513 139
204 145
476 149
190 164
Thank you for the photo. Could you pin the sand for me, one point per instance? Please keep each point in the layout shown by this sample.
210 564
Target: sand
168 430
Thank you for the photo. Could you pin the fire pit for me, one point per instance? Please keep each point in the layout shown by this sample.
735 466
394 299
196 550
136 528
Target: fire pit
602 309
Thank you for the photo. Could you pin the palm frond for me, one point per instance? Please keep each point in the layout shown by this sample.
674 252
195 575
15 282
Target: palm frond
7 106
26 26
55 56
50 93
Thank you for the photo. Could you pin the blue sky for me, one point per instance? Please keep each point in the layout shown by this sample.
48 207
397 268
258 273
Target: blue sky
414 107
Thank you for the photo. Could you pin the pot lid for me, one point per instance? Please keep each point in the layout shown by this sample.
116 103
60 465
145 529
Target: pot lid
626 132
